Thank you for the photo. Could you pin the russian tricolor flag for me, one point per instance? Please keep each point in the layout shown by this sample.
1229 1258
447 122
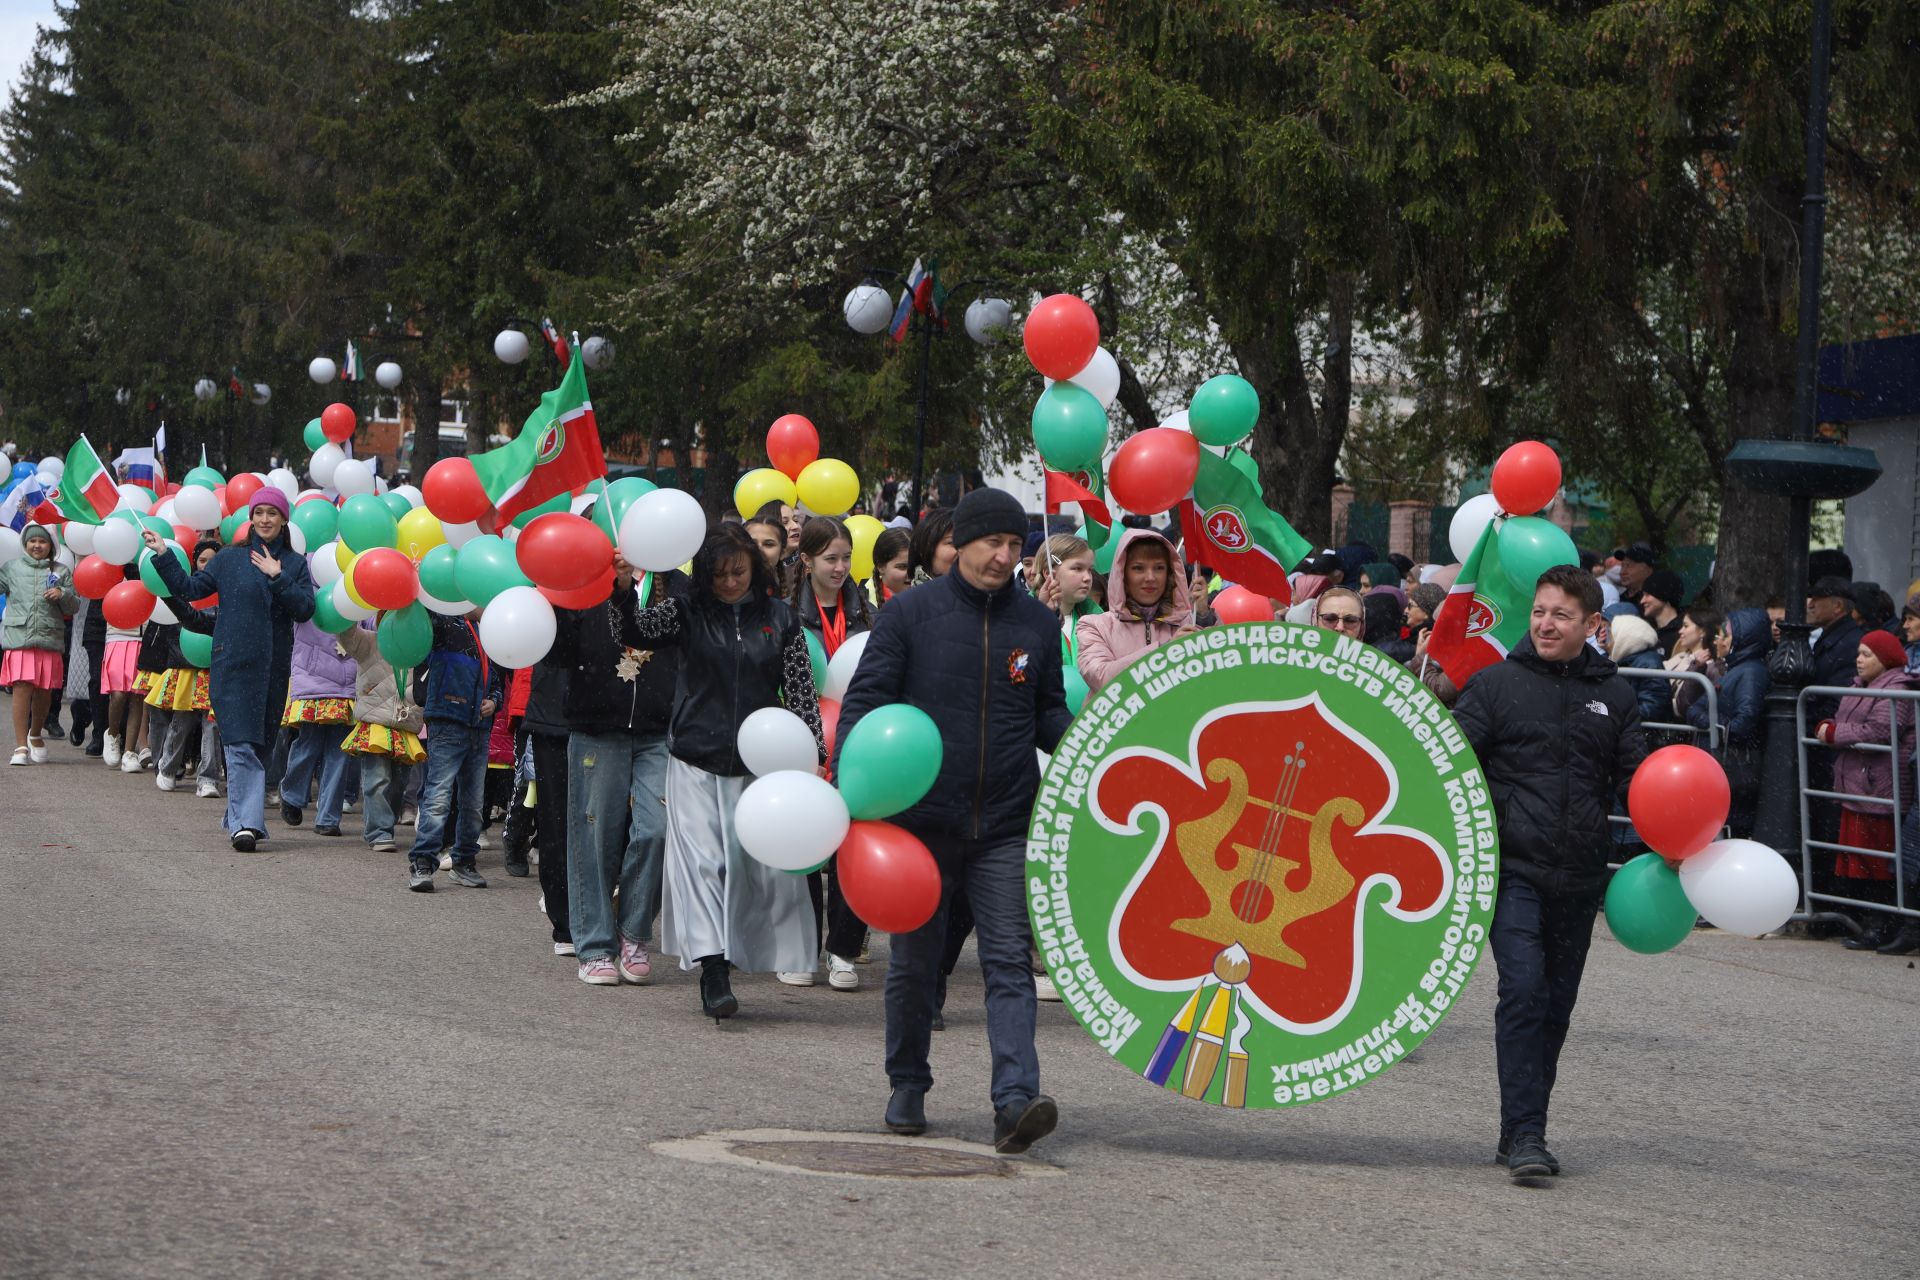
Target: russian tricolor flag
903 314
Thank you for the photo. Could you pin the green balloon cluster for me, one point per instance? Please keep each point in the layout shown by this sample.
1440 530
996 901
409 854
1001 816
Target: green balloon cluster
313 435
485 567
889 761
365 523
326 617
1647 908
405 635
1070 428
205 477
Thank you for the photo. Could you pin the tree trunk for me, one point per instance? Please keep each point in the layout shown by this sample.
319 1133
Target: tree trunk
1297 442
1752 551
426 425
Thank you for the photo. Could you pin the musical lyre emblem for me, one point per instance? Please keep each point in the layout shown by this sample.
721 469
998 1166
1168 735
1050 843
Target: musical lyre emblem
1254 891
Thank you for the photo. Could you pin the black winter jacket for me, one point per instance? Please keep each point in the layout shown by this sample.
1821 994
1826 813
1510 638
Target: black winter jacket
735 659
589 645
547 700
986 667
1833 657
1558 742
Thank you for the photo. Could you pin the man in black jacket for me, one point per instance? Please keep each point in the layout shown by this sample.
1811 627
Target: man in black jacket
982 657
1557 730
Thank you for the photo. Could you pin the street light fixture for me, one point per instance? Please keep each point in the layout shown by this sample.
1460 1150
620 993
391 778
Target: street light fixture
597 352
204 390
322 370
511 346
388 375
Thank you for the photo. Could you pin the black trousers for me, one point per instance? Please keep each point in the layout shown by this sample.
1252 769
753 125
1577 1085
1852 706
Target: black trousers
844 933
1540 944
550 827
96 700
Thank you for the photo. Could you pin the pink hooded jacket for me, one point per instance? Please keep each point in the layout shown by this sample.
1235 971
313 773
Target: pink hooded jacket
1110 640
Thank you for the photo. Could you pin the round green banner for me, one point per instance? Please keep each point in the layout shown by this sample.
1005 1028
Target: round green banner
1262 864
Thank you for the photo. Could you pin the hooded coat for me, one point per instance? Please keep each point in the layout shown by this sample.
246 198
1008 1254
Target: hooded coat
1743 689
1109 641
1864 722
252 631
376 697
32 621
1636 644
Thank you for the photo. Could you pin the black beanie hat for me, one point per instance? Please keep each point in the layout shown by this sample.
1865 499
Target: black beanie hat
1665 584
988 511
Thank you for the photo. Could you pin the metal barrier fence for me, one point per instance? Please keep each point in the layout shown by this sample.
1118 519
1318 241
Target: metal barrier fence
1898 746
1710 738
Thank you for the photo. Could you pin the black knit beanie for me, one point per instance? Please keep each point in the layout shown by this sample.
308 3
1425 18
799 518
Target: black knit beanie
988 511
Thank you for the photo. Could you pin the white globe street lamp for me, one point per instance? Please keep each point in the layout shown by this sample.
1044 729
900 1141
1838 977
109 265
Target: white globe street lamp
597 352
510 345
867 308
203 389
322 370
387 374
985 316
261 393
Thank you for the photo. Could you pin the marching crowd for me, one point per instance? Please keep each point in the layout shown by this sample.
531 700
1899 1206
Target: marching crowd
615 757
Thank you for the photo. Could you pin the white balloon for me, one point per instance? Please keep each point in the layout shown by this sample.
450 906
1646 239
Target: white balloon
326 460
867 308
323 566
163 615
10 547
413 495
379 485
48 479
387 374
1469 522
297 536
116 542
517 627
80 536
774 739
344 605
662 530
168 512
1178 421
65 556
286 482
1101 377
1742 886
58 466
133 498
197 508
322 370
510 345
459 535
791 821
841 667
353 477
452 608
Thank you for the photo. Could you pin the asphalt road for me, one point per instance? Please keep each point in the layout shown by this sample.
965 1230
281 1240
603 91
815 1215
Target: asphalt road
284 1064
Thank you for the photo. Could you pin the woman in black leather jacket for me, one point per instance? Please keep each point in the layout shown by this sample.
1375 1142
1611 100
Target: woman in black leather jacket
741 649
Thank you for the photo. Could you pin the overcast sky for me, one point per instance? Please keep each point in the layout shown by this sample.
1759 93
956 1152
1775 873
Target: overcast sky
18 21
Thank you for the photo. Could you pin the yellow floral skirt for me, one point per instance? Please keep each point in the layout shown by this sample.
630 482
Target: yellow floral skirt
379 740
143 680
318 711
178 689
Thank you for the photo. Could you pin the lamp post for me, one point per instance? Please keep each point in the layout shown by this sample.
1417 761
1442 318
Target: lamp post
868 310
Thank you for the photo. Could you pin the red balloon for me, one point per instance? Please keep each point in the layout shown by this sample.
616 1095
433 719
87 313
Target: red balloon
220 496
587 597
888 876
830 722
128 606
1154 469
158 503
337 422
1678 801
1061 335
240 490
187 538
1237 604
386 578
792 444
94 577
563 551
453 492
1526 477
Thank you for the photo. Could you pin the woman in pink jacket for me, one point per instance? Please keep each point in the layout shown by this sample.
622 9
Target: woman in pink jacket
1859 725
1148 603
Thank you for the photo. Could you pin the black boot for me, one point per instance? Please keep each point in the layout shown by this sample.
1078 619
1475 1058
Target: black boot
1873 932
717 1000
1904 941
907 1112
1019 1125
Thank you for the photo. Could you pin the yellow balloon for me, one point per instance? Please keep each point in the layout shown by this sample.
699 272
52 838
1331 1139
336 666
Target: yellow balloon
828 487
353 593
420 532
864 530
343 555
759 487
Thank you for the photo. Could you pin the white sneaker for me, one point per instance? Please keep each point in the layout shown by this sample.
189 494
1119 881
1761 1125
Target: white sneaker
564 949
796 979
346 806
446 862
841 975
37 751
110 754
146 756
129 762
541 904
163 782
1043 988
207 789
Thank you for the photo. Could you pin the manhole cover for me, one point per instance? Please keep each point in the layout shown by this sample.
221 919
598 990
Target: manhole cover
855 1155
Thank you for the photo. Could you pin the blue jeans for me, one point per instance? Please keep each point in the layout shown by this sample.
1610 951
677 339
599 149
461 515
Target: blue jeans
616 834
276 761
456 757
316 749
382 779
994 877
246 789
1540 945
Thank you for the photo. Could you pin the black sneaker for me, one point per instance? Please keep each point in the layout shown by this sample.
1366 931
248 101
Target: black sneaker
325 831
289 814
516 862
1019 1125
907 1112
243 840
1528 1157
467 876
1506 1145
420 875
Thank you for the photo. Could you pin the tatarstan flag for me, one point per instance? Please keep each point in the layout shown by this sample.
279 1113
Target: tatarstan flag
1082 487
1483 616
557 450
1228 527
86 492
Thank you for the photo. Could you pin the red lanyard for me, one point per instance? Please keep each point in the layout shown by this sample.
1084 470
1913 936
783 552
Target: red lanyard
477 648
833 633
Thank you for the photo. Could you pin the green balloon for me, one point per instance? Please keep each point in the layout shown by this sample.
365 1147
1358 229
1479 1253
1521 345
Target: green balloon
313 435
196 648
150 576
437 573
205 477
561 502
485 567
319 520
406 635
1070 428
612 509
1077 690
365 523
1647 908
889 761
326 617
396 503
154 523
1529 546
1223 410
230 527
817 654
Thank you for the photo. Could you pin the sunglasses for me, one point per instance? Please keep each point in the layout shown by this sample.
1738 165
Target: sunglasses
1339 619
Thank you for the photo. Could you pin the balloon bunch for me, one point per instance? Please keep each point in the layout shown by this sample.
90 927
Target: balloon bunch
179 513
1525 479
1062 338
800 477
1678 801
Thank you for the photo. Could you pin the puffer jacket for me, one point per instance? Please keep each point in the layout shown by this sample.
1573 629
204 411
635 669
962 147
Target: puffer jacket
1863 722
1111 640
376 698
588 648
1636 644
1743 689
458 675
31 621
986 667
1558 742
321 667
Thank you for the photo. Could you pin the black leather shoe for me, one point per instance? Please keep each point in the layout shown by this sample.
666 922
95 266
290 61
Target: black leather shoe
1873 932
289 814
1019 1125
1529 1157
717 1000
907 1112
1905 941
78 736
1506 1145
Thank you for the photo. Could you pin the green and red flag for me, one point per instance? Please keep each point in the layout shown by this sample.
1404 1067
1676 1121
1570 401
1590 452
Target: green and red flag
1084 488
86 492
557 450
1483 616
1229 528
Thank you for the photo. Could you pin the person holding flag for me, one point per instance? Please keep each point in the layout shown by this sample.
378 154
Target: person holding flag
40 599
557 451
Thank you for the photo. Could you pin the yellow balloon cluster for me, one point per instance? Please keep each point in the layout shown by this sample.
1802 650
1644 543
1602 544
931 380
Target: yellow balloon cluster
759 487
865 531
